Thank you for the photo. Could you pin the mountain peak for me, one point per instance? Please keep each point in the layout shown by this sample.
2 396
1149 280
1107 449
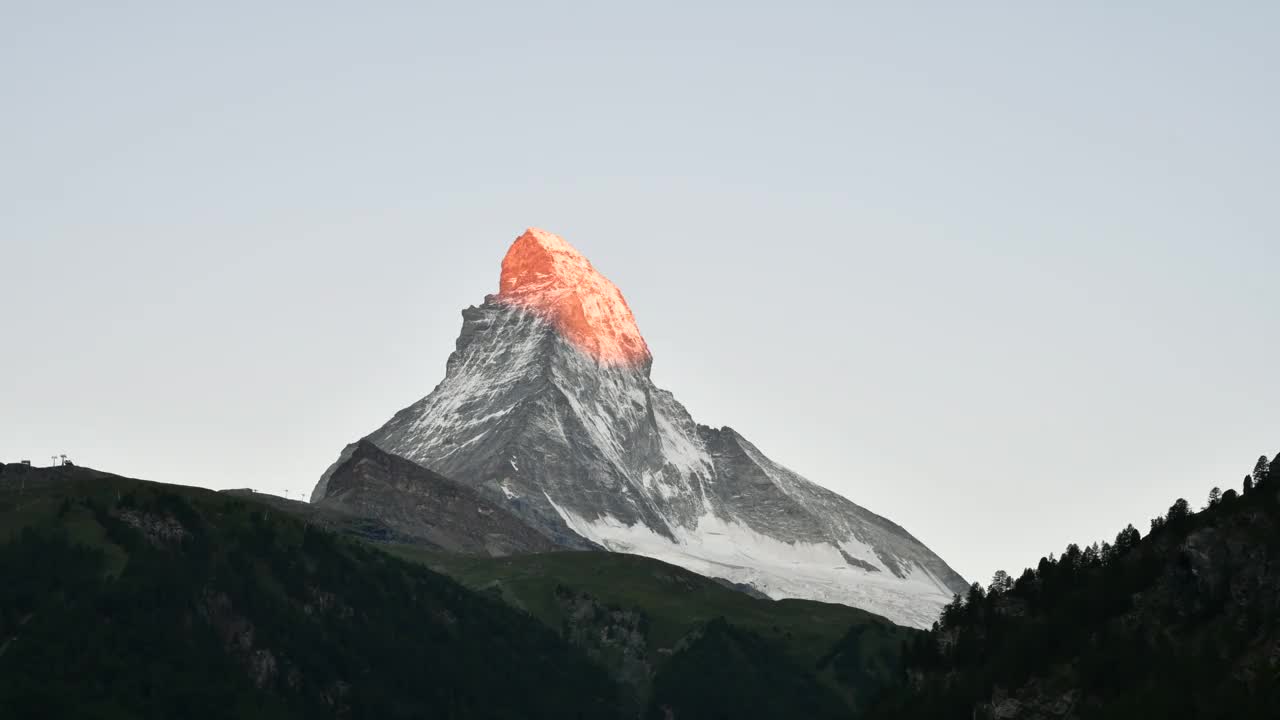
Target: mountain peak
547 240
546 275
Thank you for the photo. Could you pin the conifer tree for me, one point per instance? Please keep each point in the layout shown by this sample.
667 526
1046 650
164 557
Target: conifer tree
1092 555
1260 471
1071 557
1025 582
1127 539
976 596
1000 583
1215 496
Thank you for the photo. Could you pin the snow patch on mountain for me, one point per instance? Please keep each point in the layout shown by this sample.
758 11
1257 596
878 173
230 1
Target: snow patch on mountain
815 571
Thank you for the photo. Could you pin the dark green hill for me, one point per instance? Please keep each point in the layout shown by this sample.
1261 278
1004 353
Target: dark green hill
1184 623
639 617
729 672
125 599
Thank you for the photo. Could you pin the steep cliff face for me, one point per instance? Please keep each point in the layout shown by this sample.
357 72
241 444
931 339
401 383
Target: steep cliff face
547 407
425 508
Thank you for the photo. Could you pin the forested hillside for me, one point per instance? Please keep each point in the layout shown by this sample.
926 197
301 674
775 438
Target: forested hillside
124 599
1182 623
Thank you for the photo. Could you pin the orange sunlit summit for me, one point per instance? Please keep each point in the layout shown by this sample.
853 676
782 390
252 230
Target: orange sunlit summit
546 275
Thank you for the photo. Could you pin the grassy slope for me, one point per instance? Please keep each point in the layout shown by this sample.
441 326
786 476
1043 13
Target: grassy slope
677 602
674 599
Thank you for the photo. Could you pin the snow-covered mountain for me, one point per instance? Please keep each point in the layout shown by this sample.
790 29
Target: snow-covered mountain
547 407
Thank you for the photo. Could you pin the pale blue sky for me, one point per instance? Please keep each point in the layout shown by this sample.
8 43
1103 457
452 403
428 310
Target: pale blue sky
1009 275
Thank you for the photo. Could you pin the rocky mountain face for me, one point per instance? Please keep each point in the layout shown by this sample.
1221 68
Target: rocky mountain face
547 409
424 508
